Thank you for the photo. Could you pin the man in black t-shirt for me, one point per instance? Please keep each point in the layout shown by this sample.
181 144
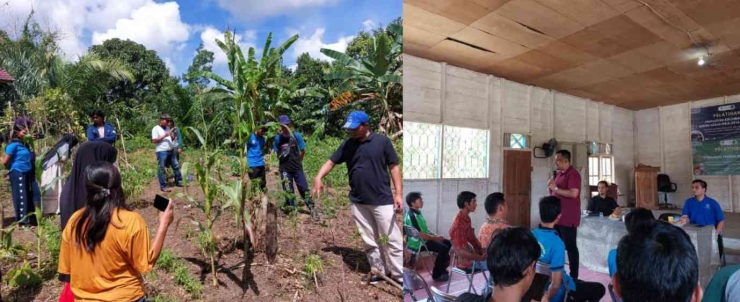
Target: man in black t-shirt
602 203
290 148
369 157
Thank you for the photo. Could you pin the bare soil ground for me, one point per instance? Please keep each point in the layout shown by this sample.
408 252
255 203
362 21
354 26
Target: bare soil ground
343 258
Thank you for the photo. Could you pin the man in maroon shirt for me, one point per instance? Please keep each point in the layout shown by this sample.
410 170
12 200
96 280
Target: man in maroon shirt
567 187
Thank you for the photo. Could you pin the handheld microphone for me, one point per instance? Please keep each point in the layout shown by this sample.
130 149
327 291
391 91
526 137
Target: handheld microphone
554 174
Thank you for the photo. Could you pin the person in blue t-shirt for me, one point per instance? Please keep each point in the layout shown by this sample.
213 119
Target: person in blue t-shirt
553 254
19 159
99 130
255 157
702 209
634 220
291 148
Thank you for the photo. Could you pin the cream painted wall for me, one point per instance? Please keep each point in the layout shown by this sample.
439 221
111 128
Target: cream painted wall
437 93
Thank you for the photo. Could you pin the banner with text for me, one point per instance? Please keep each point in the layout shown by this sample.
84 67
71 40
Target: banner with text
715 139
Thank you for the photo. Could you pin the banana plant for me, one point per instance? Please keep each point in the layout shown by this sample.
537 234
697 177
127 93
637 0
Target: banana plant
250 76
374 78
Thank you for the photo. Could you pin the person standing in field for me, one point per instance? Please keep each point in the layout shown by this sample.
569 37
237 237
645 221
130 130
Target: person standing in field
256 157
370 157
165 150
99 130
291 148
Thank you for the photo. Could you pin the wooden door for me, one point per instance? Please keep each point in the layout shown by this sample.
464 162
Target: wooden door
517 184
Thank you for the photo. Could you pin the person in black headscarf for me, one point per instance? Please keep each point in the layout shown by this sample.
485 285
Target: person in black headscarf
74 193
53 169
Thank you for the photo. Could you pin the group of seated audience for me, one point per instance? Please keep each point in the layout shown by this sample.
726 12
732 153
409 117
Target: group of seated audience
655 262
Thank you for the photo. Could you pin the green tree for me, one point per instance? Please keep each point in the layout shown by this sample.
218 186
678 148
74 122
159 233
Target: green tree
149 71
203 61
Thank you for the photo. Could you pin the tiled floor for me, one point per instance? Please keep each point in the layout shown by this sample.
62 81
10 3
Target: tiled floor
460 284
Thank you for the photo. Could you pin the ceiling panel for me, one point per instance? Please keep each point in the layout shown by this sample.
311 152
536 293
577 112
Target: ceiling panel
631 53
540 18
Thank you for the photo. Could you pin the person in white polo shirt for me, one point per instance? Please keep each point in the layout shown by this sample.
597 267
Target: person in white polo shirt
162 137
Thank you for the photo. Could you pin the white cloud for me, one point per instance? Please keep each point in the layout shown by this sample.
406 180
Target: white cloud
368 25
138 20
210 34
315 43
155 25
256 9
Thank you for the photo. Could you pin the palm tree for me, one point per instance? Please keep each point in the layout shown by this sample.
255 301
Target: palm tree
373 78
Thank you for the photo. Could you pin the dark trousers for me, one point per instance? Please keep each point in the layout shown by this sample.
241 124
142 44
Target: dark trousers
259 174
587 292
24 190
443 256
164 159
568 235
299 178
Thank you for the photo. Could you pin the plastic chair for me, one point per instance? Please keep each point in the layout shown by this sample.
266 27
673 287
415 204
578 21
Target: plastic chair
611 293
468 273
411 232
440 296
413 282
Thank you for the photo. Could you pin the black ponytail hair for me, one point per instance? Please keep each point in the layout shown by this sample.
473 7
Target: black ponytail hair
104 195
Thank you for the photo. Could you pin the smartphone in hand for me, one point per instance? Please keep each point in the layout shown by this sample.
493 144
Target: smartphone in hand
161 202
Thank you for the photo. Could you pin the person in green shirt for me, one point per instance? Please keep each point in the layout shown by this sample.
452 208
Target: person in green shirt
433 242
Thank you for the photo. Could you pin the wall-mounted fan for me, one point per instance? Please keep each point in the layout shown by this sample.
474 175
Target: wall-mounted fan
549 148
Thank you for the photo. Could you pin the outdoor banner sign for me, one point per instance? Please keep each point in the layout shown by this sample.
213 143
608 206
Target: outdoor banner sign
715 139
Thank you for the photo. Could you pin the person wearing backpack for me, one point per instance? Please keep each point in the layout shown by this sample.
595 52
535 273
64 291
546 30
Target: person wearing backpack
290 148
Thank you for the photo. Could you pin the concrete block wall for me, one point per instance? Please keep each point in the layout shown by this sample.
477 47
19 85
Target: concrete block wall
663 139
438 93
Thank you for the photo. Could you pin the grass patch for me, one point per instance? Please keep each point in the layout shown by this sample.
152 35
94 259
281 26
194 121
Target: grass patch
173 264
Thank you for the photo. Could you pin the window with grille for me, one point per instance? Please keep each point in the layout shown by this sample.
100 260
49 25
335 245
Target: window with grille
600 167
437 151
516 141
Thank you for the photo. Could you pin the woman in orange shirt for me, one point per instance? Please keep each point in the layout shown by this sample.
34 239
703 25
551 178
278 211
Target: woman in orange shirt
105 246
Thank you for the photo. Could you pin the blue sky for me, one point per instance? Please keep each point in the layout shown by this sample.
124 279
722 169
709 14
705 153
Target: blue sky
175 28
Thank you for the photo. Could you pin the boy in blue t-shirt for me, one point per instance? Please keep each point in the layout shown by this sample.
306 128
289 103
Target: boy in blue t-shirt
255 157
553 254
702 209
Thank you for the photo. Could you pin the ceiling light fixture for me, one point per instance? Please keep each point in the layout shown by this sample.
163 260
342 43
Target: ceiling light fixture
701 61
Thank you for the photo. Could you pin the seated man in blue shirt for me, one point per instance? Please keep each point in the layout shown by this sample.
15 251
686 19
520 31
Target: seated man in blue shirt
553 254
702 209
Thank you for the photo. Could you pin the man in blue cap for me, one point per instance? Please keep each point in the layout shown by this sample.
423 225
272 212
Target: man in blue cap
291 148
369 158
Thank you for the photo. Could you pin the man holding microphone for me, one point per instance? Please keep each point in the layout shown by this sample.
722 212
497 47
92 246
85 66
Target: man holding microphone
369 157
566 185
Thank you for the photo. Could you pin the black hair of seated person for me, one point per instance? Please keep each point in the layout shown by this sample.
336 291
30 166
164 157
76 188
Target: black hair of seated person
638 219
657 264
550 208
464 197
412 197
494 200
510 253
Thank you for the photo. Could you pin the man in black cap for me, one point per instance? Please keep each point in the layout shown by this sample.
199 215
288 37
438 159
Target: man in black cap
290 148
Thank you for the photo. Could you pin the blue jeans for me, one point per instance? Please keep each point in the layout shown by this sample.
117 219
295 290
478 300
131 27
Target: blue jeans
164 159
299 178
